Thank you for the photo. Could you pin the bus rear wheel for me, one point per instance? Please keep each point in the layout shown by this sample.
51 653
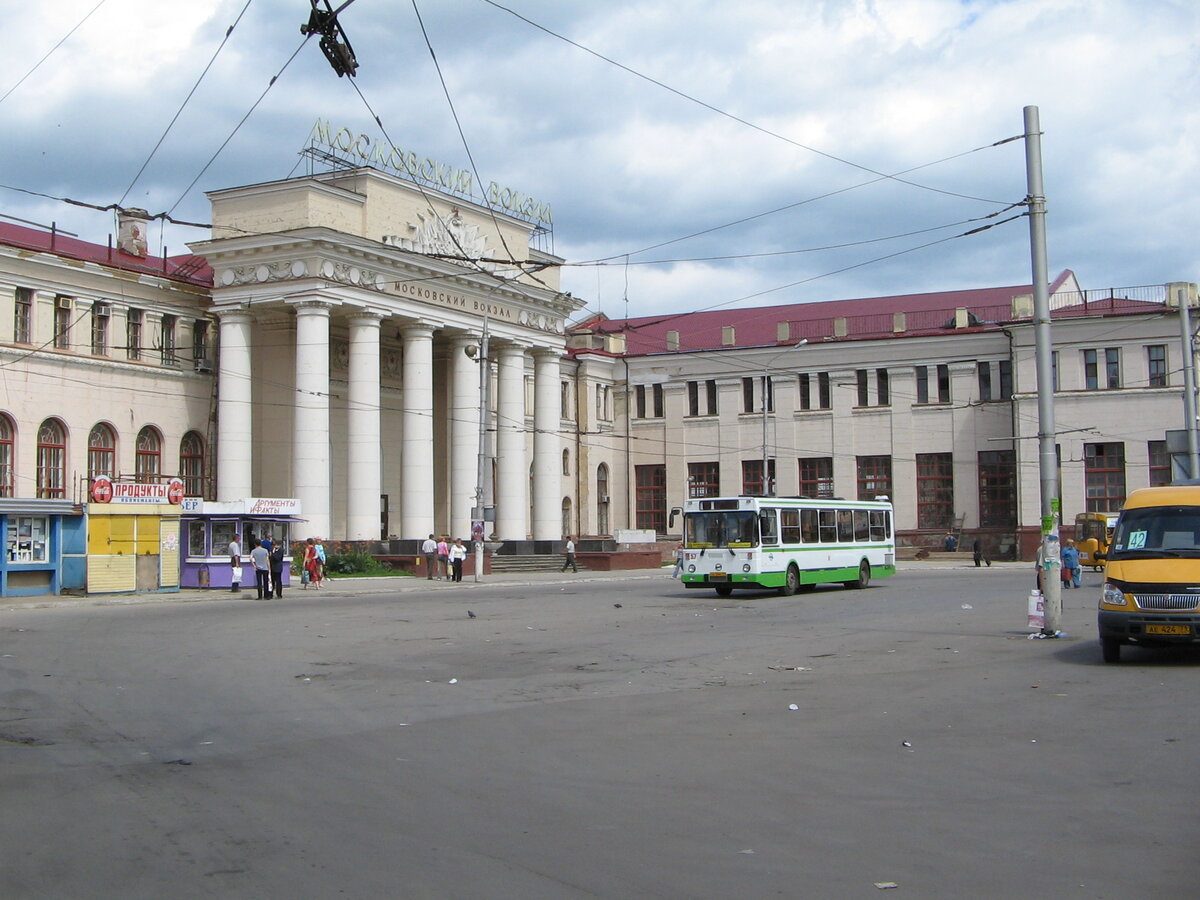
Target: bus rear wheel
864 576
791 582
724 590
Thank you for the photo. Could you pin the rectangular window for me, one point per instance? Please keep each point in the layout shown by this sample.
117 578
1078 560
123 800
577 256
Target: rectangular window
1006 380
23 316
63 308
196 534
922 384
874 477
168 341
748 395
711 387
804 389
639 398
1156 365
1160 463
752 477
28 539
651 497
100 313
789 525
824 393
816 477
1104 476
943 378
1091 372
200 340
997 489
1112 368
861 378
693 392
659 406
564 400
704 479
984 370
882 388
133 334
935 490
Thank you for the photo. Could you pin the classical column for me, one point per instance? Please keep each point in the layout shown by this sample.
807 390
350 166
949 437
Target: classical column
363 440
464 432
547 480
416 455
310 434
234 406
512 470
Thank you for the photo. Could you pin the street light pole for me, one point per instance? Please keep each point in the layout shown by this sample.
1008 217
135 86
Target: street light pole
478 517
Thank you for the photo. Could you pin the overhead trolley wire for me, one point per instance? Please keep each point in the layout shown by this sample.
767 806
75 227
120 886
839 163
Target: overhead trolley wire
51 51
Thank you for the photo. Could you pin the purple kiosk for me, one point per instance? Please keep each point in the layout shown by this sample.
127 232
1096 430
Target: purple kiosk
209 525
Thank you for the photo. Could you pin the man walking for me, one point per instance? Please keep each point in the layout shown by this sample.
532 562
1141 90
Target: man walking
235 564
429 548
277 552
570 550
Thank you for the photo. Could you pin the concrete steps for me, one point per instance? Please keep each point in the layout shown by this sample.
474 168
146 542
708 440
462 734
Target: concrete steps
534 562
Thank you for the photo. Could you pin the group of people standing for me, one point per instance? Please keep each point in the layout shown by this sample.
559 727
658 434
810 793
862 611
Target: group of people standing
443 558
267 557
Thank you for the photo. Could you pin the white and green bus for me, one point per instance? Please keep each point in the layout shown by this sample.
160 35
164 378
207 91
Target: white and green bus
790 544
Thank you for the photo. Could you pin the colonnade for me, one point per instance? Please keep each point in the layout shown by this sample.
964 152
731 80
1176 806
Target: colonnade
313 482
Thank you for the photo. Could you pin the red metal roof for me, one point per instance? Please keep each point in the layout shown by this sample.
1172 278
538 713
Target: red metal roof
866 318
186 267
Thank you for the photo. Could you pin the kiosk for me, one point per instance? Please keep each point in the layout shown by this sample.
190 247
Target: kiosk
209 526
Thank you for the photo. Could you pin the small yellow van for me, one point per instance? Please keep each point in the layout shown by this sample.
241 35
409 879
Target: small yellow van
1152 578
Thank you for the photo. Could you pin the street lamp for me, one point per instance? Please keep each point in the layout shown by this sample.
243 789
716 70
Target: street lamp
478 512
768 486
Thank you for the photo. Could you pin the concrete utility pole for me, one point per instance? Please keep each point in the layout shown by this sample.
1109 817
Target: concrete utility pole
1047 455
1189 383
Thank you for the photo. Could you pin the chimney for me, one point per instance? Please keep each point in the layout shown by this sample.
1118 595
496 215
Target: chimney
131 231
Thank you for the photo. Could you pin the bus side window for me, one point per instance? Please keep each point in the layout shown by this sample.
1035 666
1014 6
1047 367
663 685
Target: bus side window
808 525
862 531
790 525
828 520
845 526
879 525
766 524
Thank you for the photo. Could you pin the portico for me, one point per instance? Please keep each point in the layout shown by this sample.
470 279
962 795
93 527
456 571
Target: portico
348 374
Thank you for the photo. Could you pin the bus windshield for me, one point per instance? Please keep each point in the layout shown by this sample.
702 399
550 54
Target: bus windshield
726 528
1157 532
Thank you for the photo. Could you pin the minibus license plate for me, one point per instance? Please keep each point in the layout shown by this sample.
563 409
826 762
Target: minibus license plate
1168 629
718 576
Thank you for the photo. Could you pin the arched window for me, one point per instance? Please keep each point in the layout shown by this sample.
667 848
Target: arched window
602 498
191 464
566 462
566 517
52 459
7 440
102 451
148 464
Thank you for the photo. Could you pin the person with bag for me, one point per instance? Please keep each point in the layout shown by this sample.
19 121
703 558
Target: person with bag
312 566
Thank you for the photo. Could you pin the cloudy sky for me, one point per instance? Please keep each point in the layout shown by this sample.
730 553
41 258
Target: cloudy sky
712 154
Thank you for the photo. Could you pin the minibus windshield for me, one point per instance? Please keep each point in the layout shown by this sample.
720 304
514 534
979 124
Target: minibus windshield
1156 532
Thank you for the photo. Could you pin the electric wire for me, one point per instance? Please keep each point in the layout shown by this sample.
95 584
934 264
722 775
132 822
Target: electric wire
186 100
62 41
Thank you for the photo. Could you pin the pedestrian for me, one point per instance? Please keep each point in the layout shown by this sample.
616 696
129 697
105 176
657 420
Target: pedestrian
261 557
977 552
1070 565
951 542
320 548
277 552
458 554
235 564
443 555
311 565
570 551
429 549
678 561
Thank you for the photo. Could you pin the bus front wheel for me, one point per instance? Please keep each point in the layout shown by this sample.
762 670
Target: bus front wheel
864 576
791 582
724 590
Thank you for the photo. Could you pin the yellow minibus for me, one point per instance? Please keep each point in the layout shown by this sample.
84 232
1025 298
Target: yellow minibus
1151 590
